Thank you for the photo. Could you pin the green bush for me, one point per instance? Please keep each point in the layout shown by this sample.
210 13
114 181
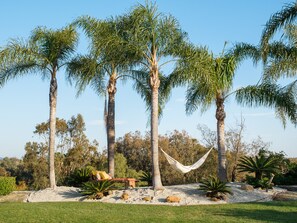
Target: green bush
214 187
7 185
80 176
289 178
147 177
96 189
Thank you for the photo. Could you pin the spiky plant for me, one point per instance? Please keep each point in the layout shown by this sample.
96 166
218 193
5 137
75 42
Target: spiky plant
146 177
214 187
96 189
259 165
80 176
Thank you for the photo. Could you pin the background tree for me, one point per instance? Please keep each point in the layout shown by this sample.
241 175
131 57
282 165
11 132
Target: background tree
46 52
155 38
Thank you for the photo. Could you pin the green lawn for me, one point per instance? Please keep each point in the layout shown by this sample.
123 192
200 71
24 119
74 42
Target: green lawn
102 212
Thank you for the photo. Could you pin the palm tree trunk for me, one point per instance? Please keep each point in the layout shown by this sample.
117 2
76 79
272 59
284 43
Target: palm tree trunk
155 83
111 132
220 116
53 107
111 124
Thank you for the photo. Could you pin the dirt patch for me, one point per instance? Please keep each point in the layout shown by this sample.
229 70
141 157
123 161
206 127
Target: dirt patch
15 196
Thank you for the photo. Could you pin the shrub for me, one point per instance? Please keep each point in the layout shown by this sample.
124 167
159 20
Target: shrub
263 183
96 189
214 187
80 176
289 178
21 185
7 185
147 177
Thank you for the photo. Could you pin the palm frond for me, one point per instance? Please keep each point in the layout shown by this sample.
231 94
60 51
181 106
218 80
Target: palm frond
278 20
271 95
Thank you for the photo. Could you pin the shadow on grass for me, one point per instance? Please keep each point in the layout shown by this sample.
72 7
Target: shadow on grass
278 212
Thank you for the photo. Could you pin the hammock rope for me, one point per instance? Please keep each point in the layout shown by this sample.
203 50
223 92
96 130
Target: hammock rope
182 168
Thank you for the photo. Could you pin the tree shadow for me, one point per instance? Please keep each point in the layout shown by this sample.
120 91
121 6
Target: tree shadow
278 212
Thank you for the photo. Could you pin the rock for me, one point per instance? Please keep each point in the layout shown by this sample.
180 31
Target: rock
214 199
109 192
285 196
125 196
148 198
173 199
247 187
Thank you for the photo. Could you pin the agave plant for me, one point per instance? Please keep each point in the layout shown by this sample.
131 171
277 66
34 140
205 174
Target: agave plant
214 187
147 177
96 189
79 176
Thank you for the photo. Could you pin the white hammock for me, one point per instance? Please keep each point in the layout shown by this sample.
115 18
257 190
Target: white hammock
185 169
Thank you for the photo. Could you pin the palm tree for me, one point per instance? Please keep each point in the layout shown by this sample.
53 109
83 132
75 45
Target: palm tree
211 82
260 164
277 21
46 52
107 62
157 39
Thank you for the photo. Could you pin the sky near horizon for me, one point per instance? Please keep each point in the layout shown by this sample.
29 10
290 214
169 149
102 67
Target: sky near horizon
24 102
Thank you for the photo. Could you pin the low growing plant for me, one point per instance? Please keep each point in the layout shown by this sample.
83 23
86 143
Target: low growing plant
96 189
80 176
214 187
147 177
7 185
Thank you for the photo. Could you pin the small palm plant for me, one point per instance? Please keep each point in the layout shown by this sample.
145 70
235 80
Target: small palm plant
215 188
261 165
96 189
80 176
147 177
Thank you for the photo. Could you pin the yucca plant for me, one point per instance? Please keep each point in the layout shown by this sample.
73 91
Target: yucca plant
214 187
80 176
147 177
96 189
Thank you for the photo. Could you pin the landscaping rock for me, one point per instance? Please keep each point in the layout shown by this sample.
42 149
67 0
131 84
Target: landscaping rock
285 196
125 196
214 199
148 198
247 187
173 199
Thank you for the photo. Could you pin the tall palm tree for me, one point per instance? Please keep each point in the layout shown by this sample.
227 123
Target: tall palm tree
46 51
157 39
212 81
107 62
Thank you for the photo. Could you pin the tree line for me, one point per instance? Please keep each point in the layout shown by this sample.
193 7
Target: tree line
132 156
136 46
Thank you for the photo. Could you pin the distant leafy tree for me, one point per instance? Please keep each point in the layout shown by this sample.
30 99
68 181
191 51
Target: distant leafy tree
46 52
35 166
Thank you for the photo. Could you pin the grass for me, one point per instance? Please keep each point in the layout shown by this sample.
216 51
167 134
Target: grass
102 212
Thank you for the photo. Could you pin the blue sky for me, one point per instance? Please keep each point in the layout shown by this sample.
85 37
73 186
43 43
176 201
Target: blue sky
24 102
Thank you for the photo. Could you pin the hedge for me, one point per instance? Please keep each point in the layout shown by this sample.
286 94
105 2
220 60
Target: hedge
7 185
